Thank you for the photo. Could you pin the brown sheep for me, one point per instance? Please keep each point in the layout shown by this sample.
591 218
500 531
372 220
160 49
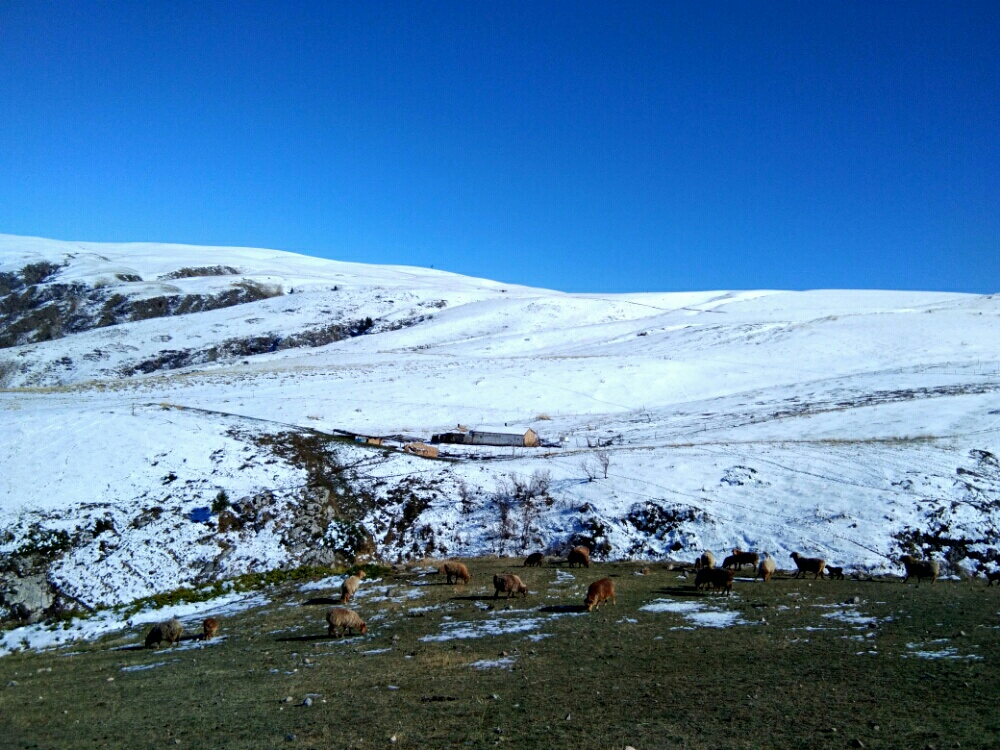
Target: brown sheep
991 577
766 569
598 593
535 559
739 558
350 587
509 583
209 628
455 570
340 620
919 568
808 565
720 579
169 631
835 572
707 560
579 556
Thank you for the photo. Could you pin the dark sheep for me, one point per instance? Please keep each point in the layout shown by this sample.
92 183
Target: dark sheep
579 556
720 579
919 569
739 558
535 559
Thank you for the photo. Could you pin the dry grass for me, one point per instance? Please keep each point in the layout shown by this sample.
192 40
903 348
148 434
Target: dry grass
618 676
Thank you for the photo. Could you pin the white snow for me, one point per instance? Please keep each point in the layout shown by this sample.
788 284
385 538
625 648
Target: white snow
697 613
503 663
825 422
485 628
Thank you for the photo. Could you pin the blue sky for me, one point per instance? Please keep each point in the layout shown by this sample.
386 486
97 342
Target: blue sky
579 146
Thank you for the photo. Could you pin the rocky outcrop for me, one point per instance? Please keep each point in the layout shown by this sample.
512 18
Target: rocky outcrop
34 309
25 599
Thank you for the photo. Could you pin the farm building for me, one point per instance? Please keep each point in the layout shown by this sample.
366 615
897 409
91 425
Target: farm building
526 438
421 449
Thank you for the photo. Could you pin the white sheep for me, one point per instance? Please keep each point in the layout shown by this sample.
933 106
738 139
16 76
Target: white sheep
350 587
766 568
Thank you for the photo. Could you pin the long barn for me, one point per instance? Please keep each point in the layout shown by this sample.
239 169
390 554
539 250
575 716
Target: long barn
526 439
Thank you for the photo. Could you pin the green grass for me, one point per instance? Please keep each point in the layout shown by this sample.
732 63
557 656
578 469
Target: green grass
598 680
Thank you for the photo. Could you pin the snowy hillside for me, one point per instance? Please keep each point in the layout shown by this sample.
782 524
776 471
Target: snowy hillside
174 414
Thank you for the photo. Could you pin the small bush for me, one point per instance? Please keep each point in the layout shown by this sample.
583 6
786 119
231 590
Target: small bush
44 542
258 291
36 273
191 273
221 502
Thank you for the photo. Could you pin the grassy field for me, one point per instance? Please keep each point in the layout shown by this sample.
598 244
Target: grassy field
793 665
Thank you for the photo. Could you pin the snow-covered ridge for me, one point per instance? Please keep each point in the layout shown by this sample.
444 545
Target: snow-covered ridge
847 424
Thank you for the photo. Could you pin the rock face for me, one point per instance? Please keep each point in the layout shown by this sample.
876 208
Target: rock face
25 598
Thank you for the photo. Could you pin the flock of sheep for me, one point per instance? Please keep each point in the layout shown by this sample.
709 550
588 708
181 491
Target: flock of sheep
341 620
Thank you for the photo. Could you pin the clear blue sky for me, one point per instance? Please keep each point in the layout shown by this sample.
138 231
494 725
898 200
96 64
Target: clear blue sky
579 146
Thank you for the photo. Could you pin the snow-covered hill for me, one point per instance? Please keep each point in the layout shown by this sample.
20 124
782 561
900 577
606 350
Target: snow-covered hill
176 414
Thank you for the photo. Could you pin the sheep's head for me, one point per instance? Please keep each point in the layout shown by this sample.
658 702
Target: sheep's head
363 629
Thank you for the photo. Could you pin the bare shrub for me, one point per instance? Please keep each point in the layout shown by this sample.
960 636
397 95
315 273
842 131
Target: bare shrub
604 461
467 496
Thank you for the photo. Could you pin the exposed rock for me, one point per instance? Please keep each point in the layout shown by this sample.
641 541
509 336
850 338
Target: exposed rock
26 598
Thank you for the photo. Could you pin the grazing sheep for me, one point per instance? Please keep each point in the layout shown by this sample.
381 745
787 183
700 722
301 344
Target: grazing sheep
991 577
808 565
579 556
598 593
455 570
766 568
172 630
209 628
707 560
169 631
534 559
509 583
739 558
835 572
340 620
154 636
720 579
919 568
350 587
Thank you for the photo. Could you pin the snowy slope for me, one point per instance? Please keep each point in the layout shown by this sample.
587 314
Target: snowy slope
847 424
